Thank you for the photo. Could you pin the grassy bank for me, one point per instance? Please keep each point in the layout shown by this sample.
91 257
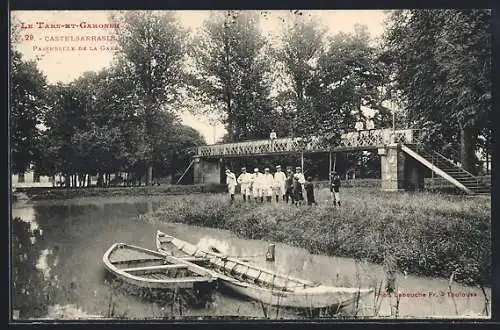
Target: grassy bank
425 233
67 193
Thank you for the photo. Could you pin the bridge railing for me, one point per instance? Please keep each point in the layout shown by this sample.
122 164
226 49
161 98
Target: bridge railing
359 140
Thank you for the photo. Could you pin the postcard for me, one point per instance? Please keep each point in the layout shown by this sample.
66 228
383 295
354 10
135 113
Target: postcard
250 164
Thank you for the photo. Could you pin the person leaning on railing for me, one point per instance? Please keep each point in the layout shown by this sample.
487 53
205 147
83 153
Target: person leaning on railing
272 137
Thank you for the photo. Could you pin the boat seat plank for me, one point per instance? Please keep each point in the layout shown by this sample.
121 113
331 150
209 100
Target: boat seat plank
266 277
189 279
158 267
194 259
252 273
131 261
230 265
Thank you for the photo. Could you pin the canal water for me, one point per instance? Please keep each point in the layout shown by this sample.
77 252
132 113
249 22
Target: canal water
57 270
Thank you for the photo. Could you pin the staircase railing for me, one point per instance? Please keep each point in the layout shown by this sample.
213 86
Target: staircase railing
456 166
187 169
435 154
430 164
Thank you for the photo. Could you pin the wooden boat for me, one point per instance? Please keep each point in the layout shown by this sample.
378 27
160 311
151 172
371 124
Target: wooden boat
261 284
151 269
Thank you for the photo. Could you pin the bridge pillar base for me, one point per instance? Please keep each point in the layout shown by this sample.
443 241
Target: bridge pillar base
399 172
206 171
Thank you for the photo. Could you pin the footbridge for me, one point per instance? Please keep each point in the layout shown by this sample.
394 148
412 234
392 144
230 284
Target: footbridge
360 140
403 158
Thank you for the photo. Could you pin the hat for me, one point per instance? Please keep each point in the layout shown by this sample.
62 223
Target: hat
227 170
243 168
256 169
266 169
297 168
278 166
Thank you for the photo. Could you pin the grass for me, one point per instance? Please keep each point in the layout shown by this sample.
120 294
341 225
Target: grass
57 193
425 233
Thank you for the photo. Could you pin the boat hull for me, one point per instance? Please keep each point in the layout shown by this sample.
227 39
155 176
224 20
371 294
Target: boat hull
149 269
290 292
297 299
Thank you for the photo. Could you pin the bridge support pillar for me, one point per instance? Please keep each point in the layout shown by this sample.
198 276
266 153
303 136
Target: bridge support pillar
392 168
206 170
399 171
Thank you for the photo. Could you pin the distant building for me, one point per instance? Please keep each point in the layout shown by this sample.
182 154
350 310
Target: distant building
28 179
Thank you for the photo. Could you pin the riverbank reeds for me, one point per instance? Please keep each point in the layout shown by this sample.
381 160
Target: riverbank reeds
425 233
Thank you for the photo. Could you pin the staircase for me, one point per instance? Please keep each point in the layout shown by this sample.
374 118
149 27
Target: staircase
447 169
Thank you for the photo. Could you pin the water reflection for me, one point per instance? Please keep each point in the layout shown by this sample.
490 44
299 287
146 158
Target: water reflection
68 312
28 284
42 263
26 214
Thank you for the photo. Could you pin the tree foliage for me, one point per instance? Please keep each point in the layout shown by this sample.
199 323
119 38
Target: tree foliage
174 155
442 65
152 49
95 126
348 74
301 46
351 76
231 73
27 99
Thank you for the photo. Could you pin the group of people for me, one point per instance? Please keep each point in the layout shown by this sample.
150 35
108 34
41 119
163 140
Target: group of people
287 187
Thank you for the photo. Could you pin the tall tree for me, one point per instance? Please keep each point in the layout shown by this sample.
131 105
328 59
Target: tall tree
65 117
231 73
442 61
28 93
153 45
301 46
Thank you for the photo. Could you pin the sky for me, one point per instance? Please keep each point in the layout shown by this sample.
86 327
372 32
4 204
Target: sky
61 58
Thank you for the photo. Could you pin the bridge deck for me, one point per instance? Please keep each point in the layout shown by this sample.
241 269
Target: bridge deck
360 140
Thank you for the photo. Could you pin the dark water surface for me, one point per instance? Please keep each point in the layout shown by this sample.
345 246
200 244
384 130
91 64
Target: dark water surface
57 269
